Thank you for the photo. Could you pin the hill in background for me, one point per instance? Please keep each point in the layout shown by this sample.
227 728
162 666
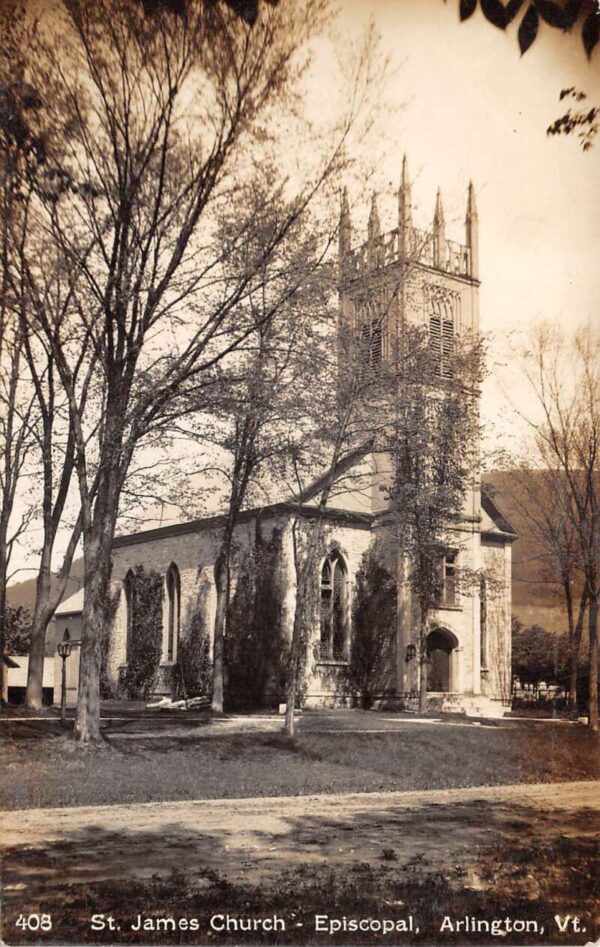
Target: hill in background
23 593
536 598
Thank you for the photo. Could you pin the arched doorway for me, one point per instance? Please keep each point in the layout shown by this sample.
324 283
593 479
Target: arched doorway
441 644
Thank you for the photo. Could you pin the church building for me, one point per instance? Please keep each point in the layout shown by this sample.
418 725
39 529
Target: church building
469 642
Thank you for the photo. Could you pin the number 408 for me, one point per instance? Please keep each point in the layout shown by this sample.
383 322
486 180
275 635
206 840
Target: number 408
34 922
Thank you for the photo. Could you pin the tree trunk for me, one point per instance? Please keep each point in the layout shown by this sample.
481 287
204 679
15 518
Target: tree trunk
575 632
4 561
97 557
423 668
222 585
574 666
3 669
296 648
290 706
41 617
423 687
593 630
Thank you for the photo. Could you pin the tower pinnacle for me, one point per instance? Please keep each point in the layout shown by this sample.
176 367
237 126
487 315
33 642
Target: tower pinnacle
374 224
405 209
471 205
345 228
439 236
438 217
472 232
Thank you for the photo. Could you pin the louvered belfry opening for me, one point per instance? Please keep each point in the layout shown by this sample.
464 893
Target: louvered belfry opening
442 335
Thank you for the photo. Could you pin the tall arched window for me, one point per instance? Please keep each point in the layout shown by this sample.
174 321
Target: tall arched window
334 609
173 611
483 642
128 589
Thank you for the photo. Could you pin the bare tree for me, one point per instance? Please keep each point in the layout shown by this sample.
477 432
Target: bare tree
543 498
36 412
307 540
266 409
355 409
564 374
20 149
55 452
161 115
17 419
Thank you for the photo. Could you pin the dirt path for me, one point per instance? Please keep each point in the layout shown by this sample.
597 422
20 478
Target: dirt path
253 839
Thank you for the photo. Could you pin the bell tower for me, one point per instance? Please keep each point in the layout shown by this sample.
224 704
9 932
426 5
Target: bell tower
422 277
408 275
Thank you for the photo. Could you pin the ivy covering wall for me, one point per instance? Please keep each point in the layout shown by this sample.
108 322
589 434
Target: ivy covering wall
373 627
144 591
194 677
256 650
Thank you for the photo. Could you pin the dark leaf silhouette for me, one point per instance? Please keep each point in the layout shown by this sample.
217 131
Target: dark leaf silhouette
571 11
561 14
551 12
574 93
467 8
246 9
512 8
152 7
495 12
528 29
591 32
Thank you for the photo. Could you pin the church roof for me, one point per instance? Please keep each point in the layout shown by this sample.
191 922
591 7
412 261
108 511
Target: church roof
72 605
359 520
492 510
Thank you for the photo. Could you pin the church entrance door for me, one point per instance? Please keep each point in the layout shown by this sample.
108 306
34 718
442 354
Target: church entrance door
440 645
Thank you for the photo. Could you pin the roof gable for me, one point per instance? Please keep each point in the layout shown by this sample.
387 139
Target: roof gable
489 507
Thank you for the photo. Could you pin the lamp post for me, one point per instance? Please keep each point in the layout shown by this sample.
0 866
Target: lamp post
64 649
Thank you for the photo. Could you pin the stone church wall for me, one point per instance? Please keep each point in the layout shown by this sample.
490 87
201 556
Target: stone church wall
194 554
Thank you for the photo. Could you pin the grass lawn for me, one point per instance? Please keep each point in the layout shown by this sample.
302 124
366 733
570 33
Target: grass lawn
44 768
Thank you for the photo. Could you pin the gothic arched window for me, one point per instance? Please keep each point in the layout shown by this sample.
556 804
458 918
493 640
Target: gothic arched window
128 589
483 638
334 609
173 611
